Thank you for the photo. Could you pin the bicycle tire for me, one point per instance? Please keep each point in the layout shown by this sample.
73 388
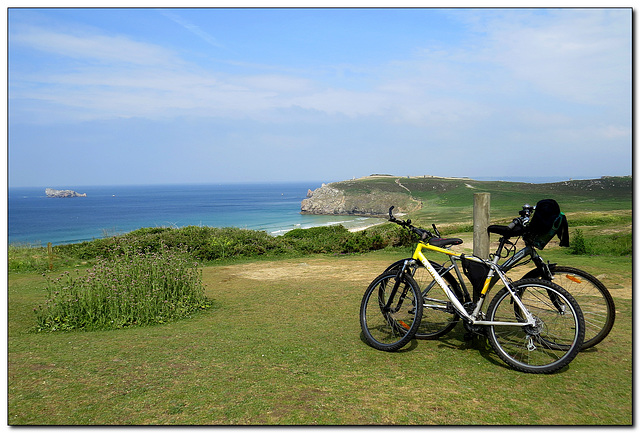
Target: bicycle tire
596 302
438 316
548 346
390 329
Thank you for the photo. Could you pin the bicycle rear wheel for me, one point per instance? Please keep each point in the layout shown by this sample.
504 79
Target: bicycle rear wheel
390 311
549 345
438 316
593 297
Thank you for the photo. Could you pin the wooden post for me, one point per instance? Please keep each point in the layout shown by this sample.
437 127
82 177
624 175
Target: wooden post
481 207
50 252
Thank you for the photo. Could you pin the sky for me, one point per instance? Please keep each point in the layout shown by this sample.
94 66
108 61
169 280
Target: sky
192 95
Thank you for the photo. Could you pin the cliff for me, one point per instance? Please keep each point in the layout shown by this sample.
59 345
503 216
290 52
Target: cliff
341 198
62 193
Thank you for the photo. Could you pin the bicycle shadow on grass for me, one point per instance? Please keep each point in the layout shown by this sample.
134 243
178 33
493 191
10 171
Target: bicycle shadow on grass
454 339
408 348
458 339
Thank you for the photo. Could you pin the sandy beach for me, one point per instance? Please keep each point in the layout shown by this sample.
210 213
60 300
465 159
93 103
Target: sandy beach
368 225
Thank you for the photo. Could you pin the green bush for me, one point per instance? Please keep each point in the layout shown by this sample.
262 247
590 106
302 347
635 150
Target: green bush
208 244
134 287
327 239
394 235
578 243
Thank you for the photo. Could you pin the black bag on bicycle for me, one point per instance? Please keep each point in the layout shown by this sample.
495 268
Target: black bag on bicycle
546 222
476 273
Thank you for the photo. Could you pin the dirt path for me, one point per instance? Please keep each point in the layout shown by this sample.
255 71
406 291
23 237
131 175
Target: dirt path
354 269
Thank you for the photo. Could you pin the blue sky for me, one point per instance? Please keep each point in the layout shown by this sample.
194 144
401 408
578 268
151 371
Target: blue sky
153 96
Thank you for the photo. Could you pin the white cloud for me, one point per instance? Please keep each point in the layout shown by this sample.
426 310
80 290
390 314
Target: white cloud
84 46
511 64
277 84
582 55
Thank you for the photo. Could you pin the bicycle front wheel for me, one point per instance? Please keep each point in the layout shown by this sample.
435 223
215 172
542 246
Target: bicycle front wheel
438 316
550 344
594 299
390 311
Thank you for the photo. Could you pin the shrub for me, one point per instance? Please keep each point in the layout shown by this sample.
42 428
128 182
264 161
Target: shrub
207 244
326 239
133 287
578 243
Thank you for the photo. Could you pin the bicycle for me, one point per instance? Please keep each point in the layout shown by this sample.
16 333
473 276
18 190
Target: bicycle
527 331
595 301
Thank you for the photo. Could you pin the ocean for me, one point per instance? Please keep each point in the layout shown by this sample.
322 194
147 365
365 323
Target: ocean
35 219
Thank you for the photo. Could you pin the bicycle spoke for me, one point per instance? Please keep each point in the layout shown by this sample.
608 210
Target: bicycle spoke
594 299
389 318
552 342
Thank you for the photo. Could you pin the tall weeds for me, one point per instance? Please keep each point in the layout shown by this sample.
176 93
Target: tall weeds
130 288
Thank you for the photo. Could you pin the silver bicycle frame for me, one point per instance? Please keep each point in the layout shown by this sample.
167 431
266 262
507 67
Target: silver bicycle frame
457 305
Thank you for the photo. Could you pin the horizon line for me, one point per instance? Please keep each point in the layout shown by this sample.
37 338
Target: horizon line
274 182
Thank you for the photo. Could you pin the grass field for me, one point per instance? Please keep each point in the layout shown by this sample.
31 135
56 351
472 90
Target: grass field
282 345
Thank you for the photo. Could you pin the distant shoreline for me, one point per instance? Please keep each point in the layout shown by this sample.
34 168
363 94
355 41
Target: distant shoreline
35 220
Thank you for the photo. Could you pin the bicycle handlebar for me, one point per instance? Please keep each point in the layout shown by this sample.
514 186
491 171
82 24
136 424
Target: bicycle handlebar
523 219
518 222
424 234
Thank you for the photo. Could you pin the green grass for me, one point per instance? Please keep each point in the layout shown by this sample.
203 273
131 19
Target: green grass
284 347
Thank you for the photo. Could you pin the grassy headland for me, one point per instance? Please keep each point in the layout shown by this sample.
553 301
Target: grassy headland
450 200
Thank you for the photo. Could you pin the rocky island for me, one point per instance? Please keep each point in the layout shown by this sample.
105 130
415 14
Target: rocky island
63 193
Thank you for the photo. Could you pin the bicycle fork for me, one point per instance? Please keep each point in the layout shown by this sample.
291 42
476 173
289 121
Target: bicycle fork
387 308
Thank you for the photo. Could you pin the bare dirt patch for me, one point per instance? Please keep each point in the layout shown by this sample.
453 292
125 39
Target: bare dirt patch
619 286
309 269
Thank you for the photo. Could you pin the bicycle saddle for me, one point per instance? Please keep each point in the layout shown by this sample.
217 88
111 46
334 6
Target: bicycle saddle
506 231
440 242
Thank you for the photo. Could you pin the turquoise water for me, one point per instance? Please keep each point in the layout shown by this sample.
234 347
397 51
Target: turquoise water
36 219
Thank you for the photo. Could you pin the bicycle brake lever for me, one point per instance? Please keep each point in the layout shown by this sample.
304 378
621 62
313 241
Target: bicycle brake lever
391 217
